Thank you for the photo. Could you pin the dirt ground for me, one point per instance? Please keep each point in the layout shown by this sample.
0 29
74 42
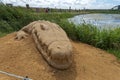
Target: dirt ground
22 58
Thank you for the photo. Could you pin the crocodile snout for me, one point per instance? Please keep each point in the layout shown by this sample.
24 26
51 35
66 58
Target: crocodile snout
61 55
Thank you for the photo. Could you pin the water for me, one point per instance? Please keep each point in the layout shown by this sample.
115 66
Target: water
99 20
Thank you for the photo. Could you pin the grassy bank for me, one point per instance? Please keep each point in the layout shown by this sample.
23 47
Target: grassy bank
105 39
13 19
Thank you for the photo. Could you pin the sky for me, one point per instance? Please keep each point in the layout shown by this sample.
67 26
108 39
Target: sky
65 4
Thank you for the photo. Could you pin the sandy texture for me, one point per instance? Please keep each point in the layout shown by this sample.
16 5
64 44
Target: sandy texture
52 42
22 58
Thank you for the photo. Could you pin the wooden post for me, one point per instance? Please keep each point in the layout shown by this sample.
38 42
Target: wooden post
27 6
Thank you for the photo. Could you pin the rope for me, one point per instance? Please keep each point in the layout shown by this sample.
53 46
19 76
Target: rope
13 75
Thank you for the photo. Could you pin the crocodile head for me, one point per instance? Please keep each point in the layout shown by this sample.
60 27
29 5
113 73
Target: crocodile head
60 55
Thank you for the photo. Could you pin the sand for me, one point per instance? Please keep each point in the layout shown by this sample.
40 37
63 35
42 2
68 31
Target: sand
22 58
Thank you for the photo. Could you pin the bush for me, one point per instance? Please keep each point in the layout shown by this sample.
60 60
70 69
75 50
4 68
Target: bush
5 27
70 29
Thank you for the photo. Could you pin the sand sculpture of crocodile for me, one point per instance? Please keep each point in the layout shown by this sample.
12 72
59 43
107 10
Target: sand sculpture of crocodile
51 41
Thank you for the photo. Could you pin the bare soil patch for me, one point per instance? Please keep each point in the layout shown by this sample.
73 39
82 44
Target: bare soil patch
22 58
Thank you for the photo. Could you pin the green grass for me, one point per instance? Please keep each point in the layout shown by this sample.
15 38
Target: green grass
115 52
109 11
108 40
13 19
104 39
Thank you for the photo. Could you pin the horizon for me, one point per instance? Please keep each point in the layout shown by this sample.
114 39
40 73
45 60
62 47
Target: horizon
74 4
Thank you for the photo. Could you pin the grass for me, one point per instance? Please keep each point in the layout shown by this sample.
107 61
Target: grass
13 19
108 40
104 39
109 11
115 52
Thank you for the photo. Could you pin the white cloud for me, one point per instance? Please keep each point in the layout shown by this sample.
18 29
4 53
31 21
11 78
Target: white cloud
78 4
117 0
86 1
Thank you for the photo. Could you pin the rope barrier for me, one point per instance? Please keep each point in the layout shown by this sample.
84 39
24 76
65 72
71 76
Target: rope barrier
16 76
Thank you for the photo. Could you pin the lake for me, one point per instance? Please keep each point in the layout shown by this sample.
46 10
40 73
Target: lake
99 20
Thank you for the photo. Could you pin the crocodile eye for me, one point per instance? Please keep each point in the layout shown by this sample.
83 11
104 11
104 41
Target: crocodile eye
58 47
44 27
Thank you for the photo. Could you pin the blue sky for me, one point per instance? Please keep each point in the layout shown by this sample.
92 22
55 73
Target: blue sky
75 4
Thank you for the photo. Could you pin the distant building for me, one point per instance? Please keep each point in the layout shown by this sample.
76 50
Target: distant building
70 9
116 7
27 6
8 4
